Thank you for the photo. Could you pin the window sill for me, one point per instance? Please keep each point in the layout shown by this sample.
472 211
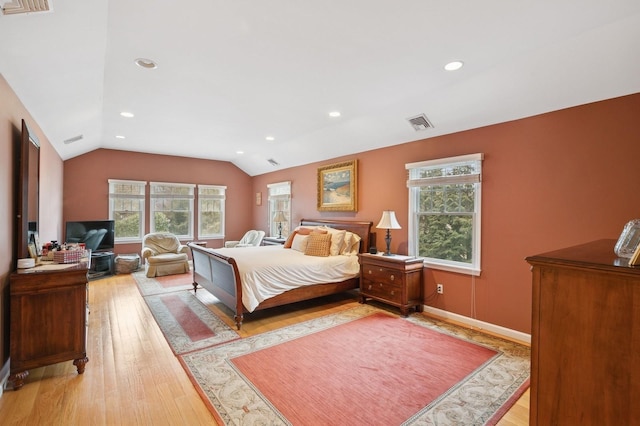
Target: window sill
453 268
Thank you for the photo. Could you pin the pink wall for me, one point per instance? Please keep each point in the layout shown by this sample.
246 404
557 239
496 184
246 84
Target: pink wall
549 181
12 111
86 188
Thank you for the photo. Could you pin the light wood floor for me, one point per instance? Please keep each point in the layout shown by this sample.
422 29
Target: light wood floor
132 377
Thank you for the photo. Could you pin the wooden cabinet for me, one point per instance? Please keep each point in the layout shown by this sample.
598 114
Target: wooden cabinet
396 280
585 337
48 318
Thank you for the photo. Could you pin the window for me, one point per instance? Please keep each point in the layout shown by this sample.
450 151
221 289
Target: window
126 208
279 201
172 208
444 212
211 211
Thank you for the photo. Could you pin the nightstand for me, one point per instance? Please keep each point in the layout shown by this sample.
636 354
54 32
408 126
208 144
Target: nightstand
273 241
395 279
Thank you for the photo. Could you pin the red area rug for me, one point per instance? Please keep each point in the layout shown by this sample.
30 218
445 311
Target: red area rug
361 367
187 323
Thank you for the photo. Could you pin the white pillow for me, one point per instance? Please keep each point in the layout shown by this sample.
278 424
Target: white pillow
355 245
337 239
299 243
346 245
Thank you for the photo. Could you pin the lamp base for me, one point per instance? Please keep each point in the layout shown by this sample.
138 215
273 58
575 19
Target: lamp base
387 239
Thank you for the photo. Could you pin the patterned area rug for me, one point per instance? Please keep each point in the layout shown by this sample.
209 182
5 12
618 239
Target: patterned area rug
166 284
186 323
478 396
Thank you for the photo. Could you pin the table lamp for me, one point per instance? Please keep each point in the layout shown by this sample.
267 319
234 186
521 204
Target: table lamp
279 218
388 222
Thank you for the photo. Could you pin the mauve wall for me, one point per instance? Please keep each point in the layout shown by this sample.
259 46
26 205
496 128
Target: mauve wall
86 188
12 111
549 181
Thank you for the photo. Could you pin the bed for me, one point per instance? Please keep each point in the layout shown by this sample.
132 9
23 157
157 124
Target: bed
218 271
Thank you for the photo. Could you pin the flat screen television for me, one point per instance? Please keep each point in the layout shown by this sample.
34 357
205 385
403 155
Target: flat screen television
98 235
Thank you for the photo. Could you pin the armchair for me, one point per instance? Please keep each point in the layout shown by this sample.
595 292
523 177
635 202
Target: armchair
164 255
251 239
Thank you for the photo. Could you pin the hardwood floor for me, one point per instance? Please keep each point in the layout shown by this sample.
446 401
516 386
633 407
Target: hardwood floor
132 377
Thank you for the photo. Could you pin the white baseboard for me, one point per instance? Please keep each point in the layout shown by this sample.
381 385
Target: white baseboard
4 376
479 325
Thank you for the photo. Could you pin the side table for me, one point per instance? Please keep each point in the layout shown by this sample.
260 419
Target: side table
395 279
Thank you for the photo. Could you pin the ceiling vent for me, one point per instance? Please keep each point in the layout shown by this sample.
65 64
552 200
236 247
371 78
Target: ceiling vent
420 122
72 140
273 162
26 6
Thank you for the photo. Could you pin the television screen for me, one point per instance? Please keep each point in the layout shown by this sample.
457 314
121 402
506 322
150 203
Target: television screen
97 235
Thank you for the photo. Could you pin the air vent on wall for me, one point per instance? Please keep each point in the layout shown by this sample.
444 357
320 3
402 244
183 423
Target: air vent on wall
72 140
26 6
420 122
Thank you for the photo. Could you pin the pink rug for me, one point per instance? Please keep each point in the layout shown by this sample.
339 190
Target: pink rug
166 284
361 367
187 323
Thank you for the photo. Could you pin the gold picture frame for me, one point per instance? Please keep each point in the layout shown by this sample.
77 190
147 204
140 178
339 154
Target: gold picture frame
338 187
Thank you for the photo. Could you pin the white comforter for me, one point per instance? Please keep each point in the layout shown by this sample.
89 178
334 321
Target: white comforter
268 271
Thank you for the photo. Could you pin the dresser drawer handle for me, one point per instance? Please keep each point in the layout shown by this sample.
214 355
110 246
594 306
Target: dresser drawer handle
369 287
393 293
380 284
370 272
392 278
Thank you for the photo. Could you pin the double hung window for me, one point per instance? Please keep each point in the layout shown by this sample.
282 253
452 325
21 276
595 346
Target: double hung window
126 208
279 208
211 211
172 208
444 212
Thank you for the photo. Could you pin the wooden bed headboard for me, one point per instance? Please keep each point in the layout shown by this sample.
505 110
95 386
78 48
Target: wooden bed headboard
363 229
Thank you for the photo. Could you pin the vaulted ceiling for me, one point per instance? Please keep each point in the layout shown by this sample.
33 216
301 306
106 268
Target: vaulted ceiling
232 73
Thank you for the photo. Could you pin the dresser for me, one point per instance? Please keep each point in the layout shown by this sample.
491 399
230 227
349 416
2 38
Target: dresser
48 318
585 337
395 279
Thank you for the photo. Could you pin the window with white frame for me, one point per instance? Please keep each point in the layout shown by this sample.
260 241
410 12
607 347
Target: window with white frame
172 208
211 211
444 212
126 209
279 209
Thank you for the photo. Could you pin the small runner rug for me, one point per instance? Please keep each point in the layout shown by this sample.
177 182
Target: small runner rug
362 366
166 284
186 323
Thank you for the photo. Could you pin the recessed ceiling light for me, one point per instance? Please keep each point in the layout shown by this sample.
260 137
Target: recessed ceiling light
146 63
270 138
120 137
334 114
127 114
453 66
240 152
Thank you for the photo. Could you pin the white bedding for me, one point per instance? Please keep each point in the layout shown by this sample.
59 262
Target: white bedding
268 271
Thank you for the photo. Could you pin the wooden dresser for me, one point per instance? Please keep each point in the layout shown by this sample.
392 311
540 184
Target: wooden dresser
48 324
396 280
585 337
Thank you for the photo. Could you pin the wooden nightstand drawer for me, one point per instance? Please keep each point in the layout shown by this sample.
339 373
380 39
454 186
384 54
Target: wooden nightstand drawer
386 275
382 290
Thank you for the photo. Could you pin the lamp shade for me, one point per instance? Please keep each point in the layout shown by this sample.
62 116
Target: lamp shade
388 220
279 217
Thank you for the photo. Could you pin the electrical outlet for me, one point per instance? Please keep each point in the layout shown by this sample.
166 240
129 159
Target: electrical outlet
440 288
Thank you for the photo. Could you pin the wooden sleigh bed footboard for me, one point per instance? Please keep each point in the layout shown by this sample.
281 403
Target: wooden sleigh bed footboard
219 275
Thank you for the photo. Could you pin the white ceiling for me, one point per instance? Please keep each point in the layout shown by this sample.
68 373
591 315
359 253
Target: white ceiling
231 73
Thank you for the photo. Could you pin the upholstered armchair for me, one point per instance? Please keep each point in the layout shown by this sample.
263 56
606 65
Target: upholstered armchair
250 239
164 255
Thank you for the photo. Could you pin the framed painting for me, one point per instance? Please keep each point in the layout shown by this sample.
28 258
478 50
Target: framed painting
338 187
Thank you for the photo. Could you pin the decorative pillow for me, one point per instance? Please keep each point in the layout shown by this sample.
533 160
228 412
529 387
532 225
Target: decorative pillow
300 242
287 244
337 239
318 244
346 245
355 245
